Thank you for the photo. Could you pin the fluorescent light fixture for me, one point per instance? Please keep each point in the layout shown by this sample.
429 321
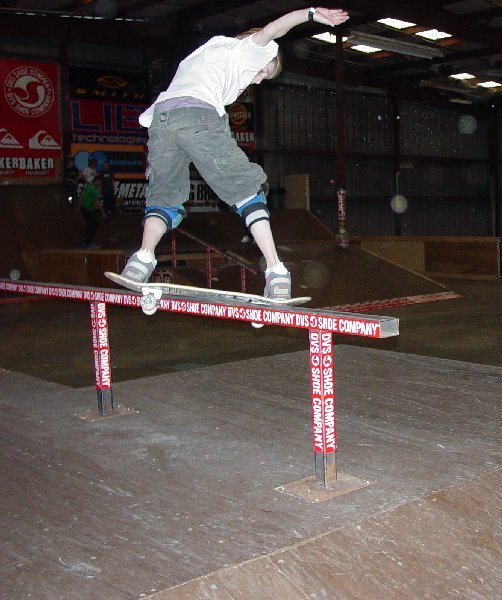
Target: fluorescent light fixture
396 23
489 84
366 49
463 76
392 45
328 37
433 34
460 101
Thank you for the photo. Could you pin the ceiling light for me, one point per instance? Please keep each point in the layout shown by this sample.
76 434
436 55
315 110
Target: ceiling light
396 23
393 45
489 84
365 49
460 101
330 38
433 34
463 76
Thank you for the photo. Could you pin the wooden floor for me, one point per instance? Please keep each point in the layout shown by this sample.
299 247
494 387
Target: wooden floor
178 499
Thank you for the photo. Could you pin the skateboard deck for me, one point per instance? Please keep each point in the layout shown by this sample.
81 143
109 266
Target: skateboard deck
153 292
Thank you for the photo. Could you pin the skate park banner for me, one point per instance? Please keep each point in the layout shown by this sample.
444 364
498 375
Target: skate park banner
104 111
241 117
30 124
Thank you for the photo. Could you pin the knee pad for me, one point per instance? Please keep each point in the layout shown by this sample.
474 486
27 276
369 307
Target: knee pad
253 209
171 215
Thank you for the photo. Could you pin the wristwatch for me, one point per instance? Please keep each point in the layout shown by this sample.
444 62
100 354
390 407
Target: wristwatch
311 14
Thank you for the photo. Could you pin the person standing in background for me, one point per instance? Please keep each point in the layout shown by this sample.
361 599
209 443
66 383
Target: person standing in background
90 203
71 176
89 173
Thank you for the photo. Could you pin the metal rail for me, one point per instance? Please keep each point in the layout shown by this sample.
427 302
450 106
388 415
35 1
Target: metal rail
321 325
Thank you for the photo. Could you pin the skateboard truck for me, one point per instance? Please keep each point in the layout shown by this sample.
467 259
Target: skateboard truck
150 300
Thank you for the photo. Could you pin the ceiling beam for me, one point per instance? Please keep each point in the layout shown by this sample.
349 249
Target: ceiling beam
122 34
427 14
426 64
486 15
435 97
193 12
135 7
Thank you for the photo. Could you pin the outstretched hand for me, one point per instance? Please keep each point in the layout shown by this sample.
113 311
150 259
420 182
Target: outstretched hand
330 16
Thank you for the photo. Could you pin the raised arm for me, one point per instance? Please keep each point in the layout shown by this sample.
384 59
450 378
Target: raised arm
281 26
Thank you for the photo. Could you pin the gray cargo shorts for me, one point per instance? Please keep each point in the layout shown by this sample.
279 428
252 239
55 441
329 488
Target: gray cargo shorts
199 135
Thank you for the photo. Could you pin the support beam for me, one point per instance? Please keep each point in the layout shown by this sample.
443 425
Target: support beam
428 14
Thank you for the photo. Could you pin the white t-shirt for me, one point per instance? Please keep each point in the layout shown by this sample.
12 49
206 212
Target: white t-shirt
217 72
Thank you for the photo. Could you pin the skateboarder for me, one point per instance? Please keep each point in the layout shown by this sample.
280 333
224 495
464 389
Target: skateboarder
188 123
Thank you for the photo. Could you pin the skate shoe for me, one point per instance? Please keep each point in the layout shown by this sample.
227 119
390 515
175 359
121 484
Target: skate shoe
277 283
140 266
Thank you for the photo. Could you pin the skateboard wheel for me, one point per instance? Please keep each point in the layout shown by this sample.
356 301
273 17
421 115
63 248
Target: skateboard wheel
149 304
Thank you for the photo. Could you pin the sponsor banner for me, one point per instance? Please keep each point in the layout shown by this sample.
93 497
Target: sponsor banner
30 126
202 197
323 391
241 118
126 162
103 84
104 111
130 194
103 122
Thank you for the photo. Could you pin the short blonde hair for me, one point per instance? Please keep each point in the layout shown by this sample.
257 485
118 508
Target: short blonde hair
277 60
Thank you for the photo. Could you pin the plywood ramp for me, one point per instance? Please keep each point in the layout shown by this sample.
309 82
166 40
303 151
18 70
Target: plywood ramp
442 256
441 544
134 506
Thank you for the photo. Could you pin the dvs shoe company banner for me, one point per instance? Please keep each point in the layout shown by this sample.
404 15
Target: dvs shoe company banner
30 125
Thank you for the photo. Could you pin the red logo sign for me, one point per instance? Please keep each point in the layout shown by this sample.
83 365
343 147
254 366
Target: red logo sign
30 124
28 91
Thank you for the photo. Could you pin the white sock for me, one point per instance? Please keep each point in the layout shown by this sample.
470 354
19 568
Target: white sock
279 269
145 255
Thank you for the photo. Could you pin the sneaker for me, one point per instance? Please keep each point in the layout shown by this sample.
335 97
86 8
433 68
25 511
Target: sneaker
278 283
140 266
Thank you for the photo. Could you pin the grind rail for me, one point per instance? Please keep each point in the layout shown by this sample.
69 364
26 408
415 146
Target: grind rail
320 323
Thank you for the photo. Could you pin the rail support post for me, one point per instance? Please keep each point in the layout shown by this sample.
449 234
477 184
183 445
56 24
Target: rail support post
101 347
323 407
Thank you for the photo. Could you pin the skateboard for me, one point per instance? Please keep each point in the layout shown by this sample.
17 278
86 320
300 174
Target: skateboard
153 292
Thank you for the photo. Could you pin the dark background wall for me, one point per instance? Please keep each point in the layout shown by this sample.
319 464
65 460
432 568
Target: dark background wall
392 146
